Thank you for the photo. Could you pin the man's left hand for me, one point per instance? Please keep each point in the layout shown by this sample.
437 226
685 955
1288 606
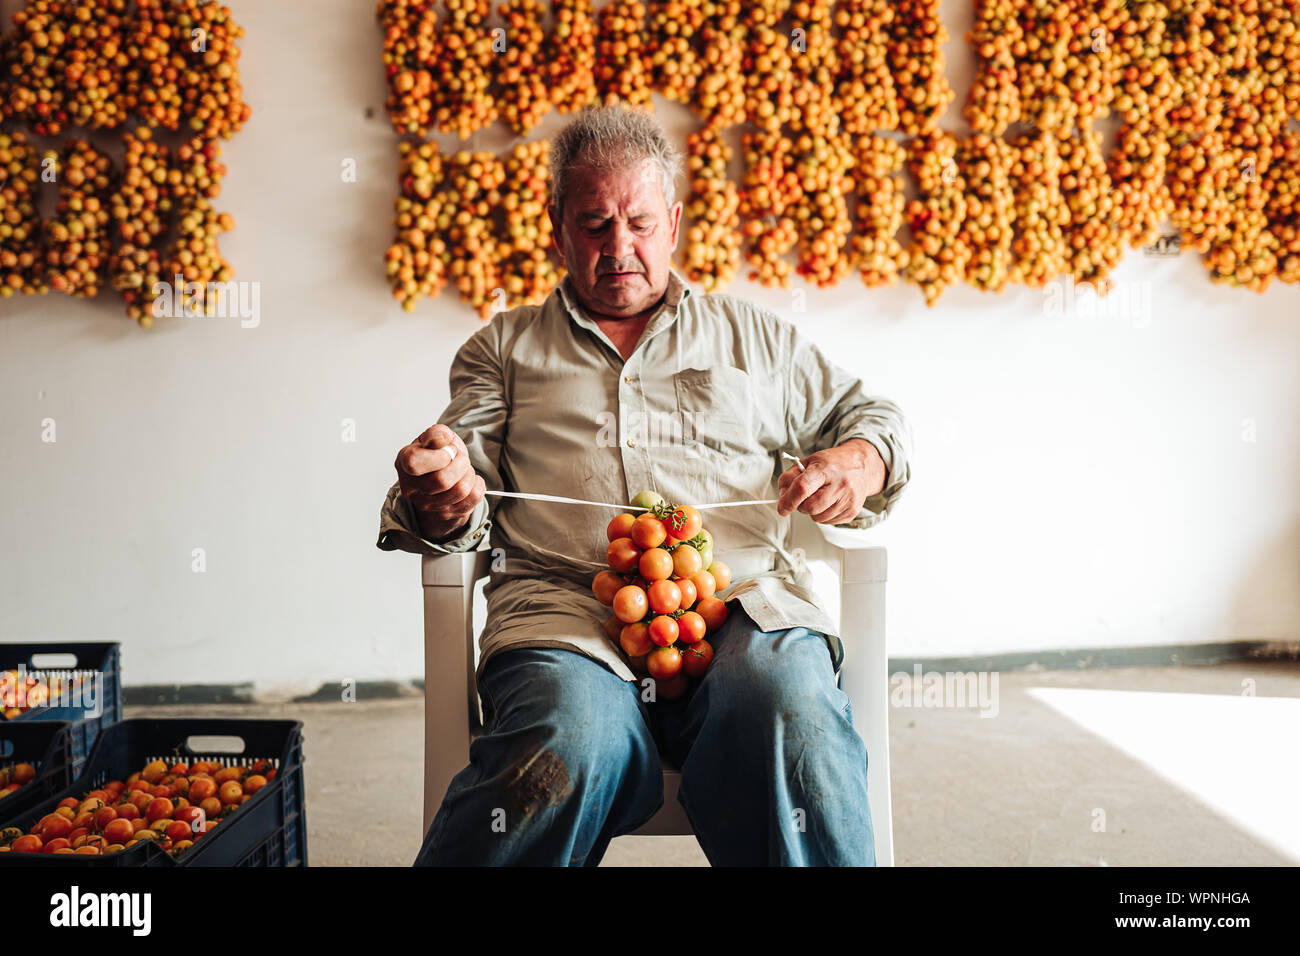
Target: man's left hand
834 483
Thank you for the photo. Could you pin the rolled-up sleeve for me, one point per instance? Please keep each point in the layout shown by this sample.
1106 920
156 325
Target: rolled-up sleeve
477 412
826 406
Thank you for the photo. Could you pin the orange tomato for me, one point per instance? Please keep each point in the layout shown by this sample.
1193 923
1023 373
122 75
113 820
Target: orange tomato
665 596
630 604
159 808
230 791
704 583
211 807
635 639
29 843
664 663
689 593
154 771
655 564
692 627
648 531
663 630
622 555
714 612
686 561
229 773
119 831
697 657
620 526
201 789
604 585
58 843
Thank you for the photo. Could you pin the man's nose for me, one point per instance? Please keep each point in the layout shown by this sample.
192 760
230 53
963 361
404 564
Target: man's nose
619 244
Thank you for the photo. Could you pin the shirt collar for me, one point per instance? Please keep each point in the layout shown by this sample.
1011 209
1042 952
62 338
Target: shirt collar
676 293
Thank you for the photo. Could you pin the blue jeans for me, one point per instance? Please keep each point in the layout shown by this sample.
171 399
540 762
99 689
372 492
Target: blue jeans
773 772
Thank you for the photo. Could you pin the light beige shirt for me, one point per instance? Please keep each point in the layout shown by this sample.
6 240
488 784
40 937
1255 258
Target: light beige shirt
715 390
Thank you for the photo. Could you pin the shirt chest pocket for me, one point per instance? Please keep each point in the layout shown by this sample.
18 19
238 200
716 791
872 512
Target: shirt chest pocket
716 409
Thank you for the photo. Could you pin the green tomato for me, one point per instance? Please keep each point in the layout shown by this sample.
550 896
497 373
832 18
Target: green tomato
706 557
647 500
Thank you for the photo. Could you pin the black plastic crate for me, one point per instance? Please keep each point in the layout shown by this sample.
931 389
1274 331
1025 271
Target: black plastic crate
45 745
97 665
270 829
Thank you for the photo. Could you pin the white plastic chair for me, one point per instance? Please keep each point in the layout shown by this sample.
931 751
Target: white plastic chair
451 705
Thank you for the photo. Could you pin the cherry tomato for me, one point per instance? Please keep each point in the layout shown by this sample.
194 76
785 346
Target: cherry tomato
648 531
630 604
159 808
686 561
655 565
620 526
689 593
664 663
201 789
119 831
635 640
104 817
622 555
704 583
665 596
714 612
179 830
697 657
128 811
58 843
663 630
154 771
721 574
230 791
28 843
604 585
684 523
692 627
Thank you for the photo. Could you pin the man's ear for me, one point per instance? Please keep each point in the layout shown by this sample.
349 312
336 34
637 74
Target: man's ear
555 229
675 217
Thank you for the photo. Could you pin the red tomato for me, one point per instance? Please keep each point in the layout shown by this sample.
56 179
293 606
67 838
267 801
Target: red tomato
620 526
635 640
58 843
29 843
119 831
684 523
692 627
158 809
604 585
128 811
648 531
52 826
655 565
714 612
622 555
664 663
179 830
665 596
104 817
697 657
663 630
630 604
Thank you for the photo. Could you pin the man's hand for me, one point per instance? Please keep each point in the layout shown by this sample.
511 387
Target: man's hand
834 483
435 476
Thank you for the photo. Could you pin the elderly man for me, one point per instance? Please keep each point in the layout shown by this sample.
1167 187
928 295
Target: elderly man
574 398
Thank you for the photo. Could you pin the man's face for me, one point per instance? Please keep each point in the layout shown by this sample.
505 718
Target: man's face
617 238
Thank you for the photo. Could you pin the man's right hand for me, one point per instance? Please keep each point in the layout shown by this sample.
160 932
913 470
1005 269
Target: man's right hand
435 476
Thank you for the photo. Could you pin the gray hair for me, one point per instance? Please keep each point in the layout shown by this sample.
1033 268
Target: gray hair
612 138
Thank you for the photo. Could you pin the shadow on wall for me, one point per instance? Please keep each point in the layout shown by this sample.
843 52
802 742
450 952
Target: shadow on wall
1269 592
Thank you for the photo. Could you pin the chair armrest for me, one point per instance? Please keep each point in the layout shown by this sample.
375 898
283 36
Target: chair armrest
451 705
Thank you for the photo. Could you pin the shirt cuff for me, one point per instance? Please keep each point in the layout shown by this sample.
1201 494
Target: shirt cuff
398 529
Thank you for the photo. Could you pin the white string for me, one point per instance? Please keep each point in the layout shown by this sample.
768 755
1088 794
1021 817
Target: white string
608 504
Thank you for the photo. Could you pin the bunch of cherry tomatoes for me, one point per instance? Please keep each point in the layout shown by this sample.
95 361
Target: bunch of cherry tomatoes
172 806
662 589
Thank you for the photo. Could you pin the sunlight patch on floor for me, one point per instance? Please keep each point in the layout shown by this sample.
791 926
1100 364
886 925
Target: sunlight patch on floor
1236 754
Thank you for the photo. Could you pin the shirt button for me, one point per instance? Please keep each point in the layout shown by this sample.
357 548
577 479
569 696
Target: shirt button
628 379
631 443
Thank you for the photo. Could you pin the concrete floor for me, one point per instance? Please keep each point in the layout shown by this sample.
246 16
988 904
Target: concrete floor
1025 788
